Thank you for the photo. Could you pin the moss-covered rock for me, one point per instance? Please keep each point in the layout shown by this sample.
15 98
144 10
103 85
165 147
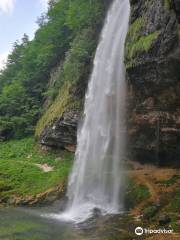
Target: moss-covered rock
152 59
138 43
58 125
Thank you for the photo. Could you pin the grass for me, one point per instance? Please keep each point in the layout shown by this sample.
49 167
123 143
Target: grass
175 203
18 174
135 193
170 181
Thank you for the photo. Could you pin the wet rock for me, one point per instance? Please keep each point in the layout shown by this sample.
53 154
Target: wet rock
11 201
177 8
164 219
96 212
62 134
152 59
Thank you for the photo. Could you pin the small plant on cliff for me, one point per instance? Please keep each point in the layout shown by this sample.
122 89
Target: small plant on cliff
137 42
143 44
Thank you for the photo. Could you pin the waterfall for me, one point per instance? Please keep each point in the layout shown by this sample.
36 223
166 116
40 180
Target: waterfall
96 179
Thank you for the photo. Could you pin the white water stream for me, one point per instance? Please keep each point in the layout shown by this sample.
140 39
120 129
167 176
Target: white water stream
96 179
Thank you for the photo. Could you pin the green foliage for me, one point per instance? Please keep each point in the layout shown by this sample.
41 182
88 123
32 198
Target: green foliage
58 107
84 14
170 181
79 55
68 32
143 44
175 225
135 29
175 203
135 194
150 211
76 67
19 174
136 42
18 111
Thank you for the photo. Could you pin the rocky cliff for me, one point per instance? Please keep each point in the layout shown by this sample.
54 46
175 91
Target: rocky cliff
58 124
153 73
152 61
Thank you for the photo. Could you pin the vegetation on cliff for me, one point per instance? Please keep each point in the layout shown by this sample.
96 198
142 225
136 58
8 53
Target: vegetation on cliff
67 33
138 43
76 68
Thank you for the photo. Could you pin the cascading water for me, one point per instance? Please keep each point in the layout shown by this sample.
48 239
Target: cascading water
96 179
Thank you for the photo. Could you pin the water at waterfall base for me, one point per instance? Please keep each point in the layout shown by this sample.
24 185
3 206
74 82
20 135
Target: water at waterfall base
28 224
96 182
82 212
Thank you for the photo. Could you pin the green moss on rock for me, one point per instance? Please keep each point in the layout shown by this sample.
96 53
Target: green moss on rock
143 44
168 4
62 103
135 28
138 41
133 35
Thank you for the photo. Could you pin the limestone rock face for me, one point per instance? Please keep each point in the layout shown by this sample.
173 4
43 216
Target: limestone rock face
62 134
152 61
62 131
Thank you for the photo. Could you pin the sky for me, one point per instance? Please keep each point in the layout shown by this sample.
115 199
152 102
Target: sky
16 18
